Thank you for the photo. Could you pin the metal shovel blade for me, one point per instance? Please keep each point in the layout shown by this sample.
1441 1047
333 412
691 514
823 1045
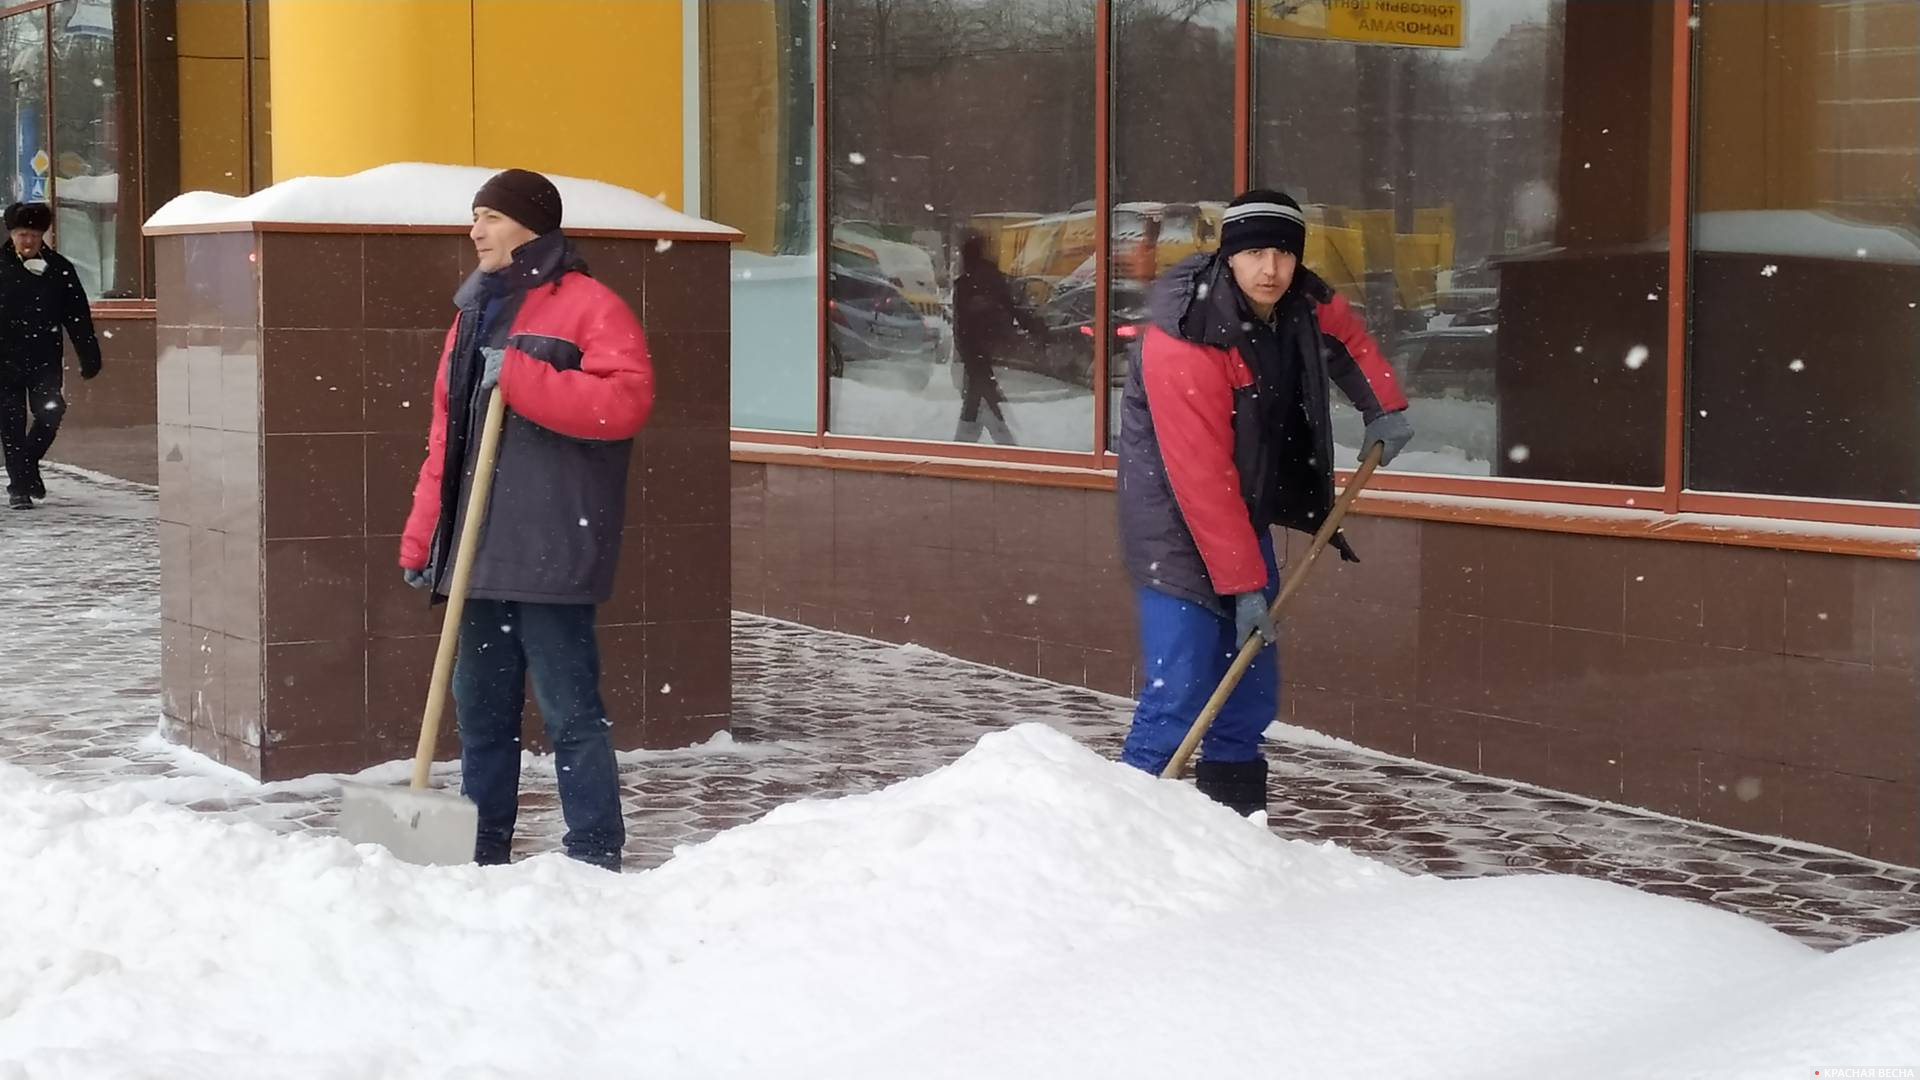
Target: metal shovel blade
419 825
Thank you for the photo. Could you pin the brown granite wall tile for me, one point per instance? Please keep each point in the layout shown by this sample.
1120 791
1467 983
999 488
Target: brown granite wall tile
1516 750
1447 738
1742 793
111 421
1828 616
312 281
316 693
1894 828
1661 778
1894 587
1827 808
688 672
314 381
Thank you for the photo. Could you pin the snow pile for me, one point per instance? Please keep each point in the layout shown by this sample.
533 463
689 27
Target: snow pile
409 193
1031 910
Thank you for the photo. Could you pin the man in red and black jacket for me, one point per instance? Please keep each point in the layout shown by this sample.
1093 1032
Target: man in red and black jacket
1226 433
570 360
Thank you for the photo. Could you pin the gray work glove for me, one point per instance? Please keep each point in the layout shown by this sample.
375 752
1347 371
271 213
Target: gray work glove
418 579
1393 430
490 374
1250 616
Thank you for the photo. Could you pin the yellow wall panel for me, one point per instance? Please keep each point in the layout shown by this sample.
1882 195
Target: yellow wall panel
587 88
359 83
213 152
743 138
210 28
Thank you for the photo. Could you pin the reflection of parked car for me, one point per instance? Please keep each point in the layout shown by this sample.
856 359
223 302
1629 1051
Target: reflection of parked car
858 247
1454 361
1070 329
869 319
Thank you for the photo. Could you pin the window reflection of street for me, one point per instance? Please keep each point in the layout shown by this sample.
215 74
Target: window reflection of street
952 125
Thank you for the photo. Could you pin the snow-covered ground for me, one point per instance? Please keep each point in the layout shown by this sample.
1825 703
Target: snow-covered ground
1032 910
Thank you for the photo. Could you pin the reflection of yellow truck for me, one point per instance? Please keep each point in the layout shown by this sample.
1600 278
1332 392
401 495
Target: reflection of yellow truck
1149 237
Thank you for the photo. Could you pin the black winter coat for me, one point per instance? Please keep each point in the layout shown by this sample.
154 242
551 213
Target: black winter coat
33 310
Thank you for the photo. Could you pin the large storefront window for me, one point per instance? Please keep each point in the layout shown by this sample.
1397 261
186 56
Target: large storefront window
95 192
759 167
960 143
1496 206
1806 250
1172 152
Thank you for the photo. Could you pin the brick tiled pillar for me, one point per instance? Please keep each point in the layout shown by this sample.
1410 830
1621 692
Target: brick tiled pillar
295 373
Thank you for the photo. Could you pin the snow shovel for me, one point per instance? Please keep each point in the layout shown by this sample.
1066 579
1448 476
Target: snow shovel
1251 648
417 823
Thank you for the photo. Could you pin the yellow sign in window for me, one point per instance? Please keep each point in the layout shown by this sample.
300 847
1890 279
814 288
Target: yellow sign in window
1434 24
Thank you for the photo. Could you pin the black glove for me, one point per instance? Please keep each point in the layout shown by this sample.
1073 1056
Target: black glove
1392 430
1250 616
89 366
419 579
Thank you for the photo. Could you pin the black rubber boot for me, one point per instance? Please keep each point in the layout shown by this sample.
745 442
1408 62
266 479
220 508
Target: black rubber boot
1241 786
20 501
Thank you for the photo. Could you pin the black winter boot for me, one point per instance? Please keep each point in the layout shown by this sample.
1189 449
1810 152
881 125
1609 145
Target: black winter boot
20 501
1241 786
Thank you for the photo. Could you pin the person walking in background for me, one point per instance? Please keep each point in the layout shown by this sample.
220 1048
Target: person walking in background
40 296
986 322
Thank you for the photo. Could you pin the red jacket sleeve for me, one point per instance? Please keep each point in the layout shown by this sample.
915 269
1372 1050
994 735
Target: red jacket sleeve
609 396
1190 398
1339 321
425 515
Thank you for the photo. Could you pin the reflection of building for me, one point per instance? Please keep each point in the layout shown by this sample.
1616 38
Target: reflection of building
1649 542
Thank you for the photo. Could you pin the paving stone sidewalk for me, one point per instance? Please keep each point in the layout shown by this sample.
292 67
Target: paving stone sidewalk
818 714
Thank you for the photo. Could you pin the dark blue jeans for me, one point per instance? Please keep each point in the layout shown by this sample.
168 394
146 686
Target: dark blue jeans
501 643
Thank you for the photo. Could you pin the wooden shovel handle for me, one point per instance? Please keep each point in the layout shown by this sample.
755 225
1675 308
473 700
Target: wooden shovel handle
477 495
1252 646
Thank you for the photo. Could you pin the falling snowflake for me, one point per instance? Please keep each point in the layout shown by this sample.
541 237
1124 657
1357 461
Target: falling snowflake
1636 356
663 244
1032 599
857 158
1797 366
1769 270
1860 252
583 523
1579 349
1653 296
406 404
1519 453
1703 413
1822 616
666 688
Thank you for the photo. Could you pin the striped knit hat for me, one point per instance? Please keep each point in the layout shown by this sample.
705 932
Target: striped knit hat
1262 218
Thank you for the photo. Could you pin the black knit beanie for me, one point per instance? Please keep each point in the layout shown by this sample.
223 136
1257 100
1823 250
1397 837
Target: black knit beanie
37 216
1262 218
525 196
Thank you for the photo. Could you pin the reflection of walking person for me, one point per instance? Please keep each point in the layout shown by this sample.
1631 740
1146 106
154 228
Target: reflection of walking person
39 294
986 323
